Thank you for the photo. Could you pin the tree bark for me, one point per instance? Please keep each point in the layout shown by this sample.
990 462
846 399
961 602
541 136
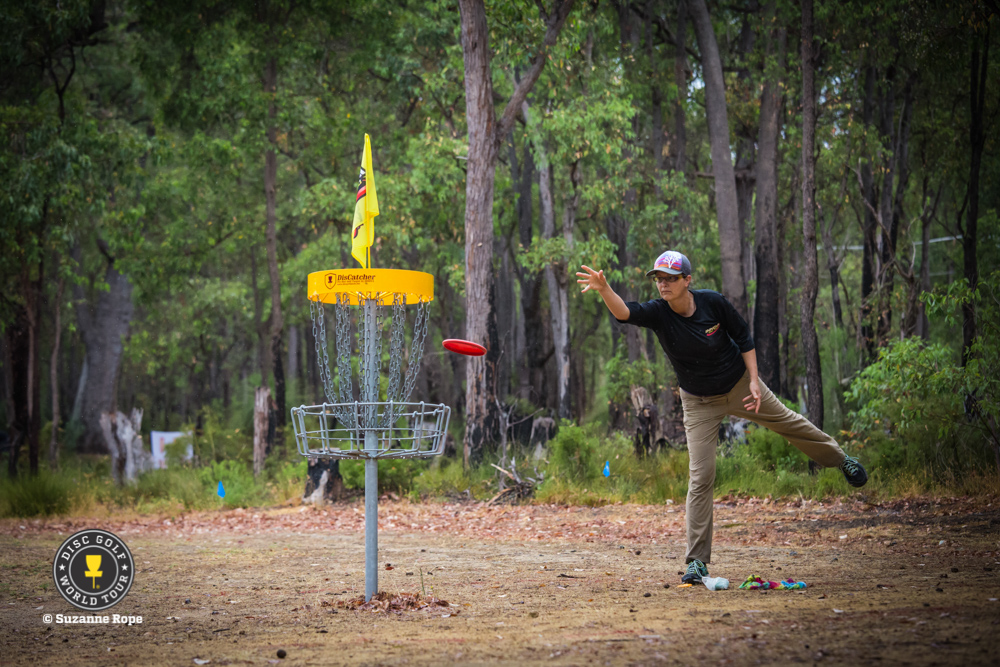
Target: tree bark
977 101
16 378
323 482
893 192
556 280
271 234
32 290
923 323
746 153
124 441
869 262
730 245
54 375
765 323
529 334
810 344
486 133
102 327
261 428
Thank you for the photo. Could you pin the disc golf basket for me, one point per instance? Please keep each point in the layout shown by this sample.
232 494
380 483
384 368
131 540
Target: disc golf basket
379 421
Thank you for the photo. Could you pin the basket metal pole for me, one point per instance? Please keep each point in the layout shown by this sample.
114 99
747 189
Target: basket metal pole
370 393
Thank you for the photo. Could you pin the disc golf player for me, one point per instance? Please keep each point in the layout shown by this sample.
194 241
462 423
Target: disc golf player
712 352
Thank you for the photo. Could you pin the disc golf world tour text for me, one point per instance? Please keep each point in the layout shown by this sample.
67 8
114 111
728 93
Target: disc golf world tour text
100 540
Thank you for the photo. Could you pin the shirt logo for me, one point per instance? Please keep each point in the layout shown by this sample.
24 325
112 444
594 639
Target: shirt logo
711 330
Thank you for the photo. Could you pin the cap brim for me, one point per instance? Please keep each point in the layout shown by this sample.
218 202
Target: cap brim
672 272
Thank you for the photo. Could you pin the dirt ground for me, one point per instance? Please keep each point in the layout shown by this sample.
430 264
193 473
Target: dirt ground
904 583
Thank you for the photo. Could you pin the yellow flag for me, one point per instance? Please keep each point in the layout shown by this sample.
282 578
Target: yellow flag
365 210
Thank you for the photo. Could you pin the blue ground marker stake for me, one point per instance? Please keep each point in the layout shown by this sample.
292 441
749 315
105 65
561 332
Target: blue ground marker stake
221 491
607 469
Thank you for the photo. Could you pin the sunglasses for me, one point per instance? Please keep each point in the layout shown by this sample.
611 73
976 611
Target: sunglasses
663 280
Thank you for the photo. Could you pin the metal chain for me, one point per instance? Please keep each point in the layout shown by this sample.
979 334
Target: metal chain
396 344
370 352
416 347
322 358
400 385
344 359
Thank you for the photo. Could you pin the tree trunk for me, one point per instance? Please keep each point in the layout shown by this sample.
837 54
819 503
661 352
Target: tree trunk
271 235
480 321
557 284
923 323
893 192
486 133
977 100
656 134
124 441
323 482
16 379
531 377
102 327
680 80
32 290
54 375
810 344
765 325
263 351
869 267
746 158
261 428
733 284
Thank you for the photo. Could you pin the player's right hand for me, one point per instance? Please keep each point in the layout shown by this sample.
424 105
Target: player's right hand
591 279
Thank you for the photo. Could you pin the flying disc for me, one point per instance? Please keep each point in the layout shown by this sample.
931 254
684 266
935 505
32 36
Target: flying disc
466 347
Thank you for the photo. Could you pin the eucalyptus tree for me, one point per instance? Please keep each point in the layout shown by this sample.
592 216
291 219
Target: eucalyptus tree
486 134
810 344
730 241
765 311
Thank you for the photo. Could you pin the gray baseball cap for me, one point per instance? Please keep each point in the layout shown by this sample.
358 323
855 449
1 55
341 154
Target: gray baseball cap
671 262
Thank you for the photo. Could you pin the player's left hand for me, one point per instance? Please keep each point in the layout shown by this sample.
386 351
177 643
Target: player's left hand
752 402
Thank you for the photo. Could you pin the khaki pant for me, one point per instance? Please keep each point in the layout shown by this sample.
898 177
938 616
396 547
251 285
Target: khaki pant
702 416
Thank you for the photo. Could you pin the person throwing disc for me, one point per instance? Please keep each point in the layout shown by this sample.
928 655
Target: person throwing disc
712 352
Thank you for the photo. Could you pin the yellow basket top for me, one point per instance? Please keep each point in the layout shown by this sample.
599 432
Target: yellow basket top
362 285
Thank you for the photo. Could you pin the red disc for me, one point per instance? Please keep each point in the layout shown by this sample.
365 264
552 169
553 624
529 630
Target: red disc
466 347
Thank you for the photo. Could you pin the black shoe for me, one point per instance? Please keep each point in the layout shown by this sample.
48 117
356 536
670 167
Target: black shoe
854 472
696 570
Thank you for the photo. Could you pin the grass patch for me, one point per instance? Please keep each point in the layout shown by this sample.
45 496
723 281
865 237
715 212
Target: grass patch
571 473
43 495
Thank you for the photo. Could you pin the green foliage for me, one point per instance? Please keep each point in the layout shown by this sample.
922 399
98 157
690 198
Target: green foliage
242 490
908 410
980 378
43 495
574 474
622 375
774 451
574 453
396 475
449 478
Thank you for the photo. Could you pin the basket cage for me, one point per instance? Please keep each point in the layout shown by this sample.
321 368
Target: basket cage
338 427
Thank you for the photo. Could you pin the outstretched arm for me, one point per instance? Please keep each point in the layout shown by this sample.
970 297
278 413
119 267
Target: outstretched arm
595 280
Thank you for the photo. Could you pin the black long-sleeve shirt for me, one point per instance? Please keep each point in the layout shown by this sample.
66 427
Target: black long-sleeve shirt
705 349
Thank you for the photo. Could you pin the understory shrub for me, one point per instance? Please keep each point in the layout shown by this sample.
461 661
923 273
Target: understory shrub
43 495
396 475
908 411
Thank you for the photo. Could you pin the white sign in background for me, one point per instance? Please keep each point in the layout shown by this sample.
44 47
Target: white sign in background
160 440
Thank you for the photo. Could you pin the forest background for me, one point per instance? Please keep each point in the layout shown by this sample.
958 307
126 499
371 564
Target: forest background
172 171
